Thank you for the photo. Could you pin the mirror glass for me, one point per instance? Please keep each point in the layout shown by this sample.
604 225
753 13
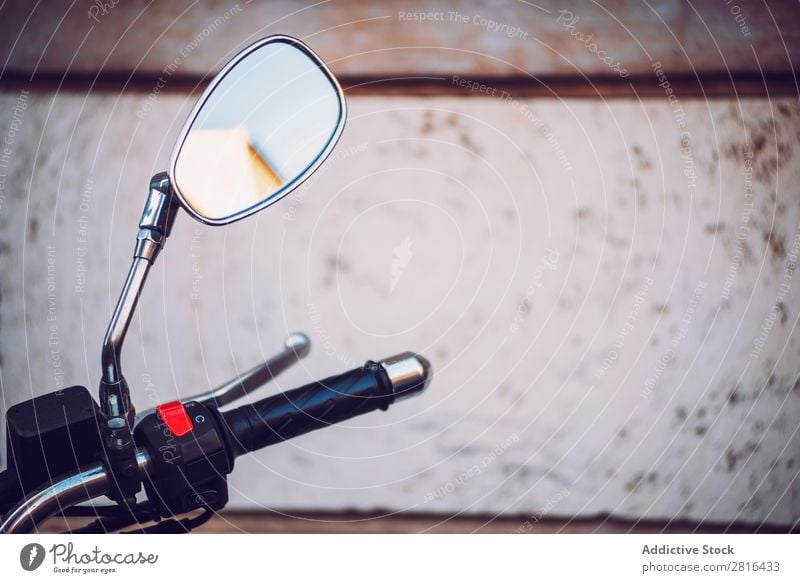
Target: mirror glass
265 123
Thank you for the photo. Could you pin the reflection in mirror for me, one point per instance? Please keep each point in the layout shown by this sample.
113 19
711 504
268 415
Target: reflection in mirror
263 127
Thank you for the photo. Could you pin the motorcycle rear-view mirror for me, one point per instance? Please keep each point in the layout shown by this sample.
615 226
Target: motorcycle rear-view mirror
266 122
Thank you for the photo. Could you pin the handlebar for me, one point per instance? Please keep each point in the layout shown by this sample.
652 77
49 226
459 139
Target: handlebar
91 482
206 457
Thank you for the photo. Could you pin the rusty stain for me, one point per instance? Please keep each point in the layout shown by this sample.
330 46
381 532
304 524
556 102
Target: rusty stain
776 244
581 213
642 160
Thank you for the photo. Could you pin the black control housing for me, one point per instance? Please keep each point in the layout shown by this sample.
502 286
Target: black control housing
51 435
186 472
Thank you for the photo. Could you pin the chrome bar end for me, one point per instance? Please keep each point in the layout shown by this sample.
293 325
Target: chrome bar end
409 374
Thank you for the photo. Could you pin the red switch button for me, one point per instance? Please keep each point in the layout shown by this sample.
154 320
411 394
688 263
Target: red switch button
175 416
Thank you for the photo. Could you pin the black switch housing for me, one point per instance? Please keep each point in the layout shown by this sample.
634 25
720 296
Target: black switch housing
51 435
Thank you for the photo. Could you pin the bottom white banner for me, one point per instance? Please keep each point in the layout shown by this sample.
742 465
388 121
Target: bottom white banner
389 558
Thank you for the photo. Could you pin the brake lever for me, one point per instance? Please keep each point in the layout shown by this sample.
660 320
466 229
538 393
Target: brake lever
296 346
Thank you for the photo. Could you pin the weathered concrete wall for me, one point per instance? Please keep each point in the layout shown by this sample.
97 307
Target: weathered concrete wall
606 292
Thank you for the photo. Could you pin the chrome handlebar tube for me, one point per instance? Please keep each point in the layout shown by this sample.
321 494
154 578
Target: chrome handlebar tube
91 482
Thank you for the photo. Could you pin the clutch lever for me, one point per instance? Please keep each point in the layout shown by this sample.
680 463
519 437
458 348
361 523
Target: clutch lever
296 346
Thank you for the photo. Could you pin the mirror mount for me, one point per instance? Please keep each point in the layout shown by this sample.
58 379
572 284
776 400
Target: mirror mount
118 413
157 219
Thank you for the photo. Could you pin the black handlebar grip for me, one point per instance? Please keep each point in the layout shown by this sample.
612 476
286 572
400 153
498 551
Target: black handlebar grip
322 403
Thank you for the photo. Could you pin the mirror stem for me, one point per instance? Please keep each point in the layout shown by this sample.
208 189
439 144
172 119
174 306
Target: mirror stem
120 320
154 228
118 411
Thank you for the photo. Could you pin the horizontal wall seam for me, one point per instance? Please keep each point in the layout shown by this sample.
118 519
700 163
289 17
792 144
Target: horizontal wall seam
712 86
